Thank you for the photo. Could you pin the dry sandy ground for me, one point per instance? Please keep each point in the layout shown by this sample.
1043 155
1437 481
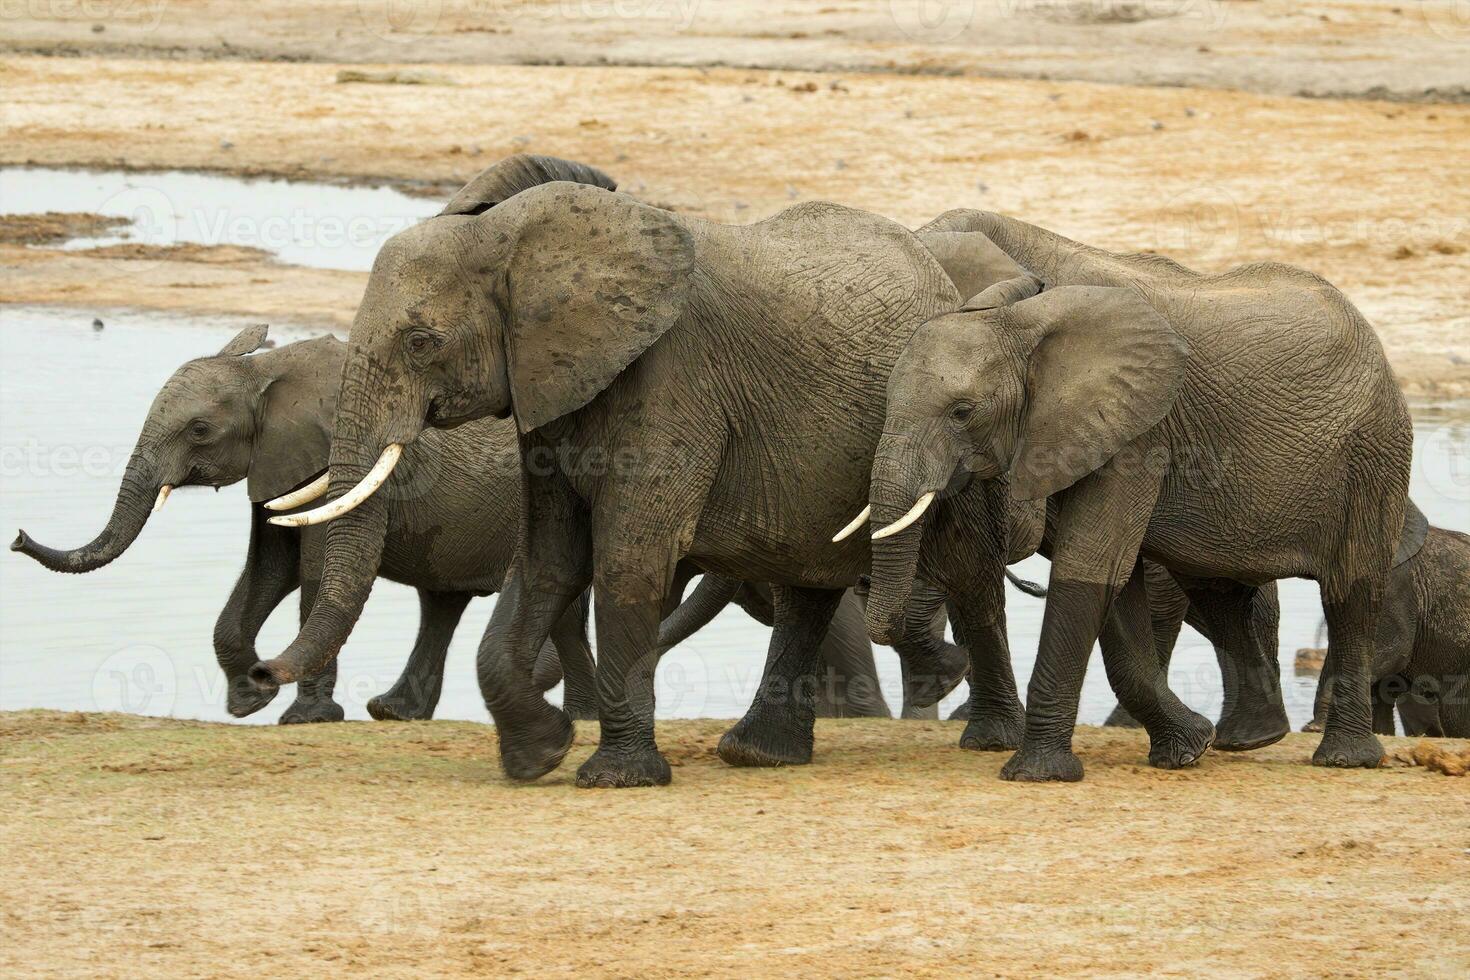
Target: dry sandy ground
1211 178
151 846
1404 49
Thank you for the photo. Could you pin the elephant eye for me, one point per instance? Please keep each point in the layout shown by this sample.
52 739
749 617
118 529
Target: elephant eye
962 412
420 342
199 430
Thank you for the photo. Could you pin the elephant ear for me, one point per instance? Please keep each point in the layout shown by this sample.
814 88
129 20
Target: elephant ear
245 341
1104 368
1416 529
594 280
293 426
514 174
1004 293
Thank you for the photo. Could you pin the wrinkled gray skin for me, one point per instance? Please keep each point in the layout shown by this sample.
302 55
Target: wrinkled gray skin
683 390
448 527
1422 657
1234 429
264 418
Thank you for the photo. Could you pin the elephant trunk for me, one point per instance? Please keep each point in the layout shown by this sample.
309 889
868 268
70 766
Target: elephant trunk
896 487
352 554
135 499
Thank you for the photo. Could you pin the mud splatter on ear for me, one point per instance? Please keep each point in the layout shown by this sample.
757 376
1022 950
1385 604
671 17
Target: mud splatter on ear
246 340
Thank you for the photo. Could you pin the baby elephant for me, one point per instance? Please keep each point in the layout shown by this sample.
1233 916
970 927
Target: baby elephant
1422 659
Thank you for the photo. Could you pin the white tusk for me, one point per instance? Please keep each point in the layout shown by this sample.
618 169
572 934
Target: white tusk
857 522
915 512
301 495
349 500
163 493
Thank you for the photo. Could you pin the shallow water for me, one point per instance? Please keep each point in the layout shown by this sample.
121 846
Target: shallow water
322 225
135 636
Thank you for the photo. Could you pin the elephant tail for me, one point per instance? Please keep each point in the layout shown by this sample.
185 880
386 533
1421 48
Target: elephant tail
1028 587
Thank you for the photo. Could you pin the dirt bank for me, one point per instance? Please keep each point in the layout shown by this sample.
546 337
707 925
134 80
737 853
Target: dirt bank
1212 178
144 845
1374 48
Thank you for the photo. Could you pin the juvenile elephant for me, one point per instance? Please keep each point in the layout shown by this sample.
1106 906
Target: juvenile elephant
683 390
1421 661
1234 429
264 419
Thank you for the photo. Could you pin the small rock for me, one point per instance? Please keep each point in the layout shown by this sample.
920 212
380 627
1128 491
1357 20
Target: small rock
226 145
1404 252
1155 125
98 28
841 164
1189 112
97 323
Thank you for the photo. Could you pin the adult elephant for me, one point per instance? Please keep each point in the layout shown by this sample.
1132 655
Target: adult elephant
683 389
1234 429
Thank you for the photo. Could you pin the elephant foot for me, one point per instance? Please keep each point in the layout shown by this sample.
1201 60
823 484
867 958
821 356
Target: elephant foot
1242 730
1120 718
758 742
1179 746
531 748
244 699
1315 725
580 710
929 679
391 707
1042 766
994 729
310 712
619 769
1348 751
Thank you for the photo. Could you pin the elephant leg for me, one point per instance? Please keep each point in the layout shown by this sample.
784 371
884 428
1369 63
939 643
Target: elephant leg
777 730
416 692
996 719
1168 605
931 665
272 572
1177 735
1242 622
579 696
552 568
850 687
1101 522
314 701
1348 740
709 598
627 647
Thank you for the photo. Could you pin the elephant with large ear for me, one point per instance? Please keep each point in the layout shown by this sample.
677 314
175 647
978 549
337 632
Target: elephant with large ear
682 389
264 418
1234 429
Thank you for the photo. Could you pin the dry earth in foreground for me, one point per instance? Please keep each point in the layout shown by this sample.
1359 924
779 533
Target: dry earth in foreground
1211 178
147 845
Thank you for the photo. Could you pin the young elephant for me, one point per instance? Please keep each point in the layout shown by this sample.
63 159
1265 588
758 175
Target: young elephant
264 419
1421 662
1234 429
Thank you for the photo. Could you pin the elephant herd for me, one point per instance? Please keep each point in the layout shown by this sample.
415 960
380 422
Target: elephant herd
555 392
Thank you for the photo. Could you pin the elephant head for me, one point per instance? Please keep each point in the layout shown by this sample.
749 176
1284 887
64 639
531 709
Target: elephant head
219 420
1039 390
529 306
